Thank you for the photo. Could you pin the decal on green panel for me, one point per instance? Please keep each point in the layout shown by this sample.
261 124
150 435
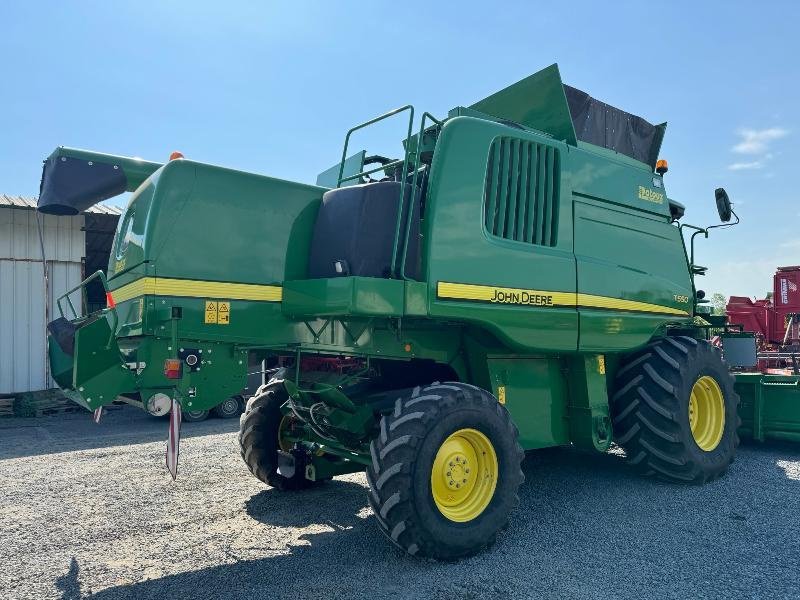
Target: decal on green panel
540 298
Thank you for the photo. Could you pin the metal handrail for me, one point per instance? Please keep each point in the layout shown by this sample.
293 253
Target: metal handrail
391 113
371 171
340 179
409 213
82 286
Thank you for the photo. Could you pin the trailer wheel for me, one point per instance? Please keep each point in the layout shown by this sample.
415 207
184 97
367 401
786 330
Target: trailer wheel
445 471
675 411
194 416
231 407
259 438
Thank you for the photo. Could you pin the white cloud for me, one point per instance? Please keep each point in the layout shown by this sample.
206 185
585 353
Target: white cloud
751 278
754 164
756 141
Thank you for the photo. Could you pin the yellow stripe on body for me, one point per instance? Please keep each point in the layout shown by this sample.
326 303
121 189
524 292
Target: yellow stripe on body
161 286
527 297
590 301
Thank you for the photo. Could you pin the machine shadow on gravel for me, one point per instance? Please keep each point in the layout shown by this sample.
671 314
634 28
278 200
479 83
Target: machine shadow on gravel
559 510
309 506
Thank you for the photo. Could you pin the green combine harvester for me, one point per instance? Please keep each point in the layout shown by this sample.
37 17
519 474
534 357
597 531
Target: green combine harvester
516 278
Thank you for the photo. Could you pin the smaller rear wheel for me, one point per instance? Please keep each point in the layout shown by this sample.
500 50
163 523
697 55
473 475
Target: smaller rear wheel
260 428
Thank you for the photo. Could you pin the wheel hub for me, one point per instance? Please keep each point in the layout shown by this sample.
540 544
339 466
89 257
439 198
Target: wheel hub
464 475
458 473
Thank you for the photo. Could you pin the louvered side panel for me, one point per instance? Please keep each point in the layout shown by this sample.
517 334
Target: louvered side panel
492 187
521 191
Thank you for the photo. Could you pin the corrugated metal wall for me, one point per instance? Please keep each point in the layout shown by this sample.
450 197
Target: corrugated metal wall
23 345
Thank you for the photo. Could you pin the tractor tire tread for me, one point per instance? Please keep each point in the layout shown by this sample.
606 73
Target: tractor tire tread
649 410
394 452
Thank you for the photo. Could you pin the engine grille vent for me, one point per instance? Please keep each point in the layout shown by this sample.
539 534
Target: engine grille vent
522 191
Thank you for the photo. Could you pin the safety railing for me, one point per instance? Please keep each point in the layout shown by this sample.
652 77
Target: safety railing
409 212
112 310
404 207
383 167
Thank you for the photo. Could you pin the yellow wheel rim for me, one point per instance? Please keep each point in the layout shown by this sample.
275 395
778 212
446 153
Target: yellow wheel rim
464 475
283 428
707 413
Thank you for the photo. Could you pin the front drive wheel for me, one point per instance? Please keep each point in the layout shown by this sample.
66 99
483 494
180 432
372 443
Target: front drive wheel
445 471
675 411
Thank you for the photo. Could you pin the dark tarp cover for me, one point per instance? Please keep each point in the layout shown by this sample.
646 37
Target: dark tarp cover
603 125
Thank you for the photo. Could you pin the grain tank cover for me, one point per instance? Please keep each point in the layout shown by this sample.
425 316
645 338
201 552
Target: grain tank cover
603 125
543 102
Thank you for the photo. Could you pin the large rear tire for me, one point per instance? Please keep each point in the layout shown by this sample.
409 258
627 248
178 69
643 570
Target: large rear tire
675 410
445 471
259 433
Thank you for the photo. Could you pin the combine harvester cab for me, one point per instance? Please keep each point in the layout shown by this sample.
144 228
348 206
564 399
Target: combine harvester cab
516 279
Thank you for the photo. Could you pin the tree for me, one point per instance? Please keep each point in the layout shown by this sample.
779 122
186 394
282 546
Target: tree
718 302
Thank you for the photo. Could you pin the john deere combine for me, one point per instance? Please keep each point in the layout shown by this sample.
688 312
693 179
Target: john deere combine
516 278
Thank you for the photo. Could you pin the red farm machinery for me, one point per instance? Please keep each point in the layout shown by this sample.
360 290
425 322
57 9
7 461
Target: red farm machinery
762 344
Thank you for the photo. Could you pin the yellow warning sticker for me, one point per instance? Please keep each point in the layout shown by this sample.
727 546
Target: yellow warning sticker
211 312
218 313
601 364
223 313
501 394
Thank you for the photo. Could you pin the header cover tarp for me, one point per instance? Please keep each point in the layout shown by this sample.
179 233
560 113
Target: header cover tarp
603 125
541 101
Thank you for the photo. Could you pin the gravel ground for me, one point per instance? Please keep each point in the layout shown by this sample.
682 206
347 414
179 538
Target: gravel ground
89 510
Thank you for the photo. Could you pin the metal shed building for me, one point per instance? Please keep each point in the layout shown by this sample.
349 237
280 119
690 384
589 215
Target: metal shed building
74 247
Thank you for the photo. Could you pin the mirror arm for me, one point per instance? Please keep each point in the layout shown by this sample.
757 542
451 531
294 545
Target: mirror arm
698 231
722 225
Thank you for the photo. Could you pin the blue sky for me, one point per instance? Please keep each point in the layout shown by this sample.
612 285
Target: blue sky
273 87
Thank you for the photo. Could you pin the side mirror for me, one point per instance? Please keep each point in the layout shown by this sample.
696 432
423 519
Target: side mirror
723 204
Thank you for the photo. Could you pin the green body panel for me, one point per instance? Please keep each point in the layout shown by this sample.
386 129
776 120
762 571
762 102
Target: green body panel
592 256
533 391
203 222
463 252
769 406
537 101
340 296
590 422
